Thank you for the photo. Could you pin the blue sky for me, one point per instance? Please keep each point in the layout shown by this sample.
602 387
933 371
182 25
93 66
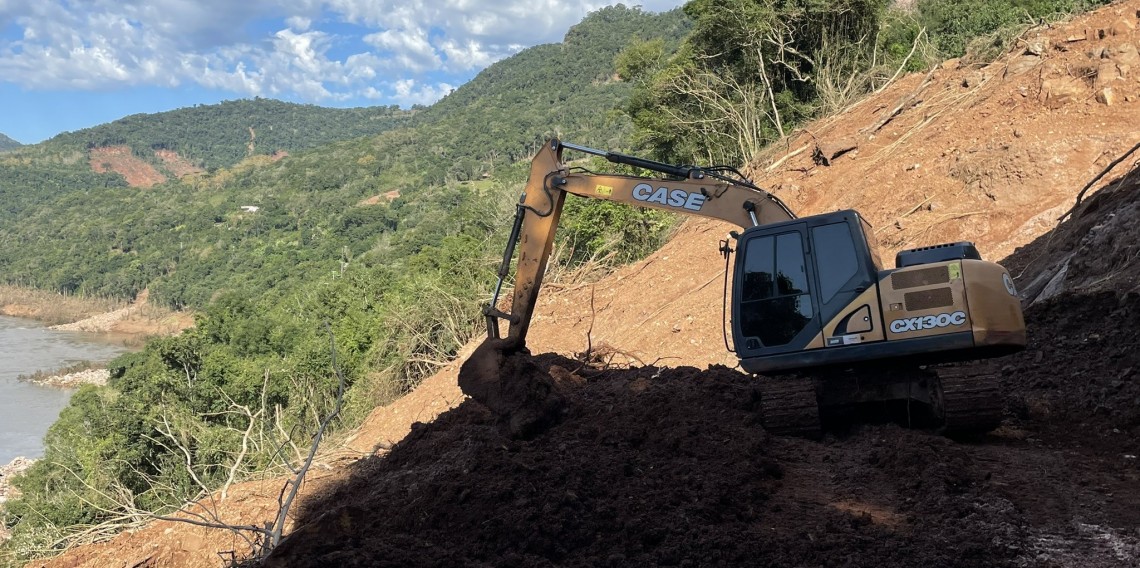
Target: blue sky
71 64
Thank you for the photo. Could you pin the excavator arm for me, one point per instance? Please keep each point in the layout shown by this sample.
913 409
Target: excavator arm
690 190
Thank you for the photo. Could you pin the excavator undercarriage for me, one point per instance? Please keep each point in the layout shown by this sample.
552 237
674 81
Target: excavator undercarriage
958 399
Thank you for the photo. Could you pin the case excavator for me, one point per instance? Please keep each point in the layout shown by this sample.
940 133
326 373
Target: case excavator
814 313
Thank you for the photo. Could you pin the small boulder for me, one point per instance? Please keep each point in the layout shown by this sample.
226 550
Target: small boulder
1056 93
1021 65
827 151
1038 46
1124 54
1106 73
1122 27
973 79
1106 96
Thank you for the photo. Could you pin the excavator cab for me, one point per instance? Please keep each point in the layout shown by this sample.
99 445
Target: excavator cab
812 292
793 277
811 298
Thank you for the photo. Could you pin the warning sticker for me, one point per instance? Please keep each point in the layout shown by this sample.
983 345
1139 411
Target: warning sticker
603 190
955 271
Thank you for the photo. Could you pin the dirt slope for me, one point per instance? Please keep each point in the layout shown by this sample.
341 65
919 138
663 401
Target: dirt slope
121 160
665 464
139 172
992 163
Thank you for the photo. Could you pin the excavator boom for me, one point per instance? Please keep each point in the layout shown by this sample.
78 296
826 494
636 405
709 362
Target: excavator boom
689 190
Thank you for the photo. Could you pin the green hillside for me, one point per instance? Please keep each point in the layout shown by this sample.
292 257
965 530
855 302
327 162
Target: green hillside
396 283
187 240
7 143
221 135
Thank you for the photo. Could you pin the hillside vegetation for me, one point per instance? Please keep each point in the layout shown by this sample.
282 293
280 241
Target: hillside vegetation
382 245
376 251
221 135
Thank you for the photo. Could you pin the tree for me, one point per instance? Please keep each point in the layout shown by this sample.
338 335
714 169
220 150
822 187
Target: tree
749 70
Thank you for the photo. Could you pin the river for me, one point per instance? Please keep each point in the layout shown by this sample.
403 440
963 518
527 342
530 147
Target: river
26 410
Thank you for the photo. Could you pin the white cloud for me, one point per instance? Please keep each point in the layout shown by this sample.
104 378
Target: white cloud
407 92
299 23
297 49
410 49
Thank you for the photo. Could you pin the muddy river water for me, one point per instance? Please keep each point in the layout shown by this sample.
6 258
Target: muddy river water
26 410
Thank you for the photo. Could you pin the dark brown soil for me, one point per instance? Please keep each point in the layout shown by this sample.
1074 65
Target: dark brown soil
655 466
526 399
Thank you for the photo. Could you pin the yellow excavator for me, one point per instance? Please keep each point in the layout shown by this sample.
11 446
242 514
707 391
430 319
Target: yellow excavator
813 310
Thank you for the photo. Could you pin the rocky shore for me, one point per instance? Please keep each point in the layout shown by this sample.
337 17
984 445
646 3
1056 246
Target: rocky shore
8 471
16 466
97 377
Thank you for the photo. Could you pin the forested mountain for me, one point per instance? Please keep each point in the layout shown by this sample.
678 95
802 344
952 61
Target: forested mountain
569 89
221 135
7 143
85 233
280 257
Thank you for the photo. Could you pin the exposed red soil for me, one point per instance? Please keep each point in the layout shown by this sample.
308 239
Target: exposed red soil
177 165
388 196
121 160
665 463
138 172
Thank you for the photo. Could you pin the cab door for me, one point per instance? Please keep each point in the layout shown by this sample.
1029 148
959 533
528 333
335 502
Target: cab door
846 274
774 311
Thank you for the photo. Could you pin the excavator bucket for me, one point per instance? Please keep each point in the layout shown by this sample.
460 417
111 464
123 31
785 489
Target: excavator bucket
525 399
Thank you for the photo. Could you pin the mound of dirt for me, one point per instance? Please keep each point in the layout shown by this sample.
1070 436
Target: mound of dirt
655 466
1081 369
526 399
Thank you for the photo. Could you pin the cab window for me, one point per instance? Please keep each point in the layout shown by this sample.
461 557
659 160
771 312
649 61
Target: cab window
775 304
835 258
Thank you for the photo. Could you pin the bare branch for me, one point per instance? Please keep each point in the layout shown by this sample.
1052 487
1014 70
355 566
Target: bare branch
294 484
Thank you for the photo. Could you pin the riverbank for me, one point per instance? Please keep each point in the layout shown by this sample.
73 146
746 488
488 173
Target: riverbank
7 472
70 377
137 320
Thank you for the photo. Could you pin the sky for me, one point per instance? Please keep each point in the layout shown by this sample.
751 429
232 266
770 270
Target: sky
71 64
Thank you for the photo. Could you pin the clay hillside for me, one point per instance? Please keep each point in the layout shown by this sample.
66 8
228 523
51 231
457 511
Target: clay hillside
657 455
137 172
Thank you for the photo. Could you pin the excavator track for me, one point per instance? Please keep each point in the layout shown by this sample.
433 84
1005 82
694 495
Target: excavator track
968 400
789 406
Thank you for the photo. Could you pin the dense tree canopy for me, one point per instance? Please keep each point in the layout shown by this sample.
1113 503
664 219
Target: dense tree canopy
221 135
